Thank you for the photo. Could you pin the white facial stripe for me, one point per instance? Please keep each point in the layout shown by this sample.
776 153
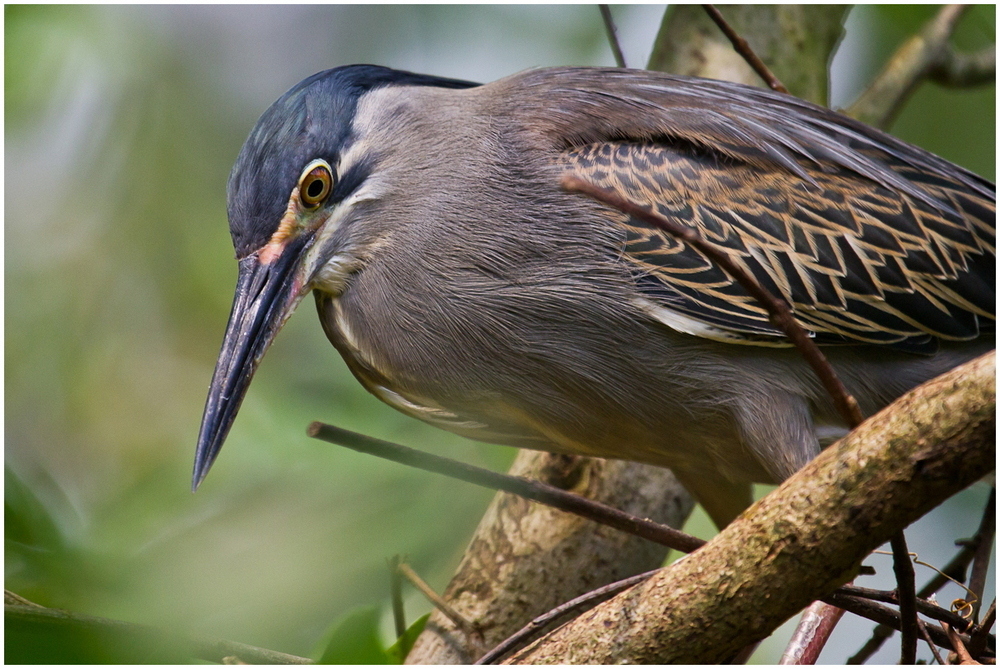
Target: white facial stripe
327 268
352 155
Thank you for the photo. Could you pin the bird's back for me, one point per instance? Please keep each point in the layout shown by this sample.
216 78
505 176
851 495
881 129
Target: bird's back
522 314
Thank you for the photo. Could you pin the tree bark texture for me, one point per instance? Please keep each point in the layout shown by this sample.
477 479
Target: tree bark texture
803 540
526 559
795 41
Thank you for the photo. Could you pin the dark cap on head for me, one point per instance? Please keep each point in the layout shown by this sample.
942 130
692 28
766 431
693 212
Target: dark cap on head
310 121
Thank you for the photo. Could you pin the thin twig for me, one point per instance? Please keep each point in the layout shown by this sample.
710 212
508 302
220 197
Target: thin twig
576 606
396 591
923 606
779 312
980 634
955 569
12 598
743 48
930 642
213 650
906 589
811 634
958 645
925 53
880 614
469 628
545 494
981 558
609 25
533 490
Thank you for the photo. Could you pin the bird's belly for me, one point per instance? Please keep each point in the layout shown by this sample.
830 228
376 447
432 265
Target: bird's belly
547 405
375 371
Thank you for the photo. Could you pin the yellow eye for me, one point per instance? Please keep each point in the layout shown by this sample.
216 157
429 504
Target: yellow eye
316 185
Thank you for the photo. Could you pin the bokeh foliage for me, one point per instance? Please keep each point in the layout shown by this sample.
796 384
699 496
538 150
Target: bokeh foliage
121 127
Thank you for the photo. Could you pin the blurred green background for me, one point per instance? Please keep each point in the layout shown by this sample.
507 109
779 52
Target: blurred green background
121 126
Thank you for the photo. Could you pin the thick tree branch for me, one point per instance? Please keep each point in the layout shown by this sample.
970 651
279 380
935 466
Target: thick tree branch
795 41
803 540
532 630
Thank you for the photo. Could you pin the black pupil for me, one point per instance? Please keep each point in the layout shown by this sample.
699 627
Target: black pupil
315 188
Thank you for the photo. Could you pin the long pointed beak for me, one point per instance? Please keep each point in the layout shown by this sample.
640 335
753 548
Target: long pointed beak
266 295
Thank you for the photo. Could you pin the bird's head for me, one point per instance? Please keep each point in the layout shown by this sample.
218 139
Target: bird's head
295 182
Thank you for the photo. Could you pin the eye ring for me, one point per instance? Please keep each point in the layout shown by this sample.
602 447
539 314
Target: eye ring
316 184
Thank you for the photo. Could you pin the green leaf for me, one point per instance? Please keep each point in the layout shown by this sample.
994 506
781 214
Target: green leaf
398 651
354 639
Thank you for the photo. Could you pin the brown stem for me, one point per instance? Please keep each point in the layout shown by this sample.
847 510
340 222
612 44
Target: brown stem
533 490
980 634
435 599
609 25
958 644
743 48
524 635
955 568
779 311
884 616
906 589
930 642
396 592
923 606
811 634
983 553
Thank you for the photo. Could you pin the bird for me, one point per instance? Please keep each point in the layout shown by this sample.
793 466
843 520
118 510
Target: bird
464 287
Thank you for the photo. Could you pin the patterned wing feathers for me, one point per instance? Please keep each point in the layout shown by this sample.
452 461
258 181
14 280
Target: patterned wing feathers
857 260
